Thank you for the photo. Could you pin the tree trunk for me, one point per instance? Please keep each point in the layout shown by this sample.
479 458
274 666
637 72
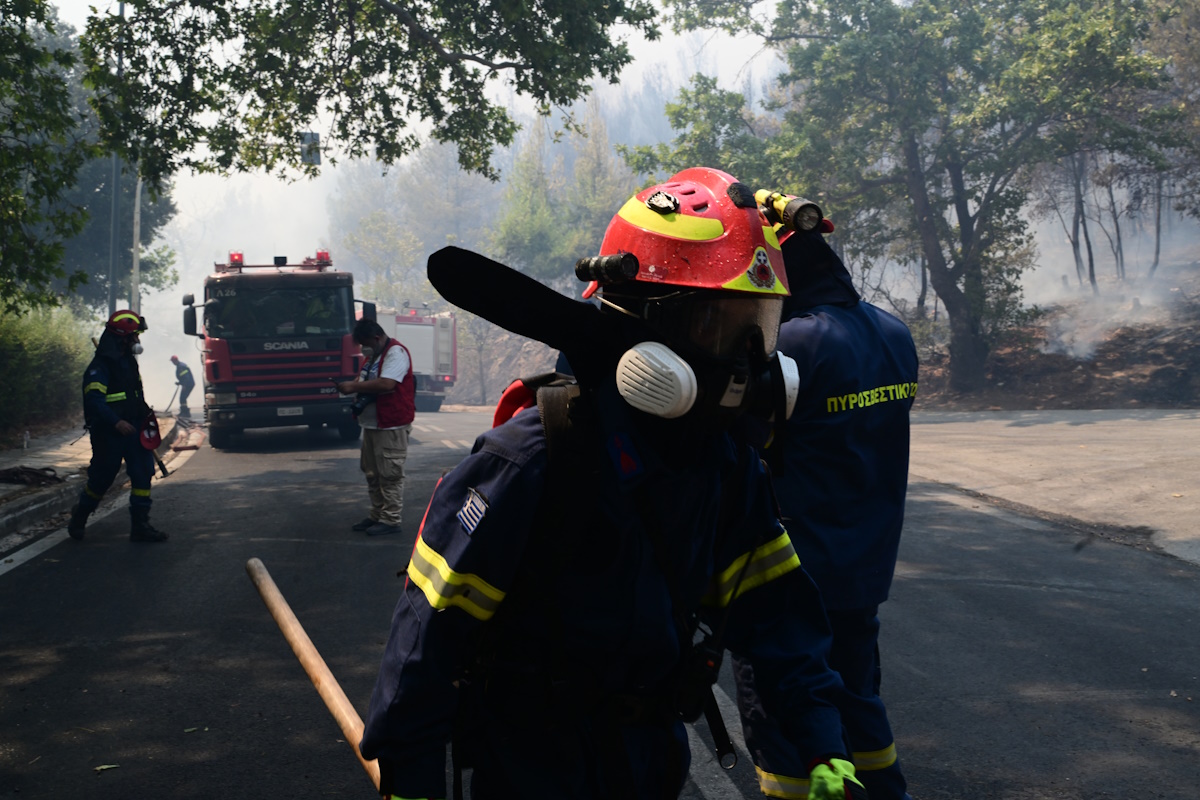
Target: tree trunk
924 289
1118 247
1080 164
1158 204
968 346
1074 237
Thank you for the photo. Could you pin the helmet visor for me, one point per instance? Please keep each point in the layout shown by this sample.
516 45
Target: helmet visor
721 325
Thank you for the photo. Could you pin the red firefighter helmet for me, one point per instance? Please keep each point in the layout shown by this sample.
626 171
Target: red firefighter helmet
700 229
125 322
705 249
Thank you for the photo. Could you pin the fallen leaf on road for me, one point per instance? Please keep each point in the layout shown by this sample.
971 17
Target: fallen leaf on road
1176 495
103 767
1174 693
189 730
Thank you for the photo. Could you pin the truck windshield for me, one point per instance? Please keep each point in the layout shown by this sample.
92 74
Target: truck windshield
250 313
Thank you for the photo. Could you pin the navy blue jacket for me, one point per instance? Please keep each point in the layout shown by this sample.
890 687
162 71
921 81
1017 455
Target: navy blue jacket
602 610
183 376
845 448
112 387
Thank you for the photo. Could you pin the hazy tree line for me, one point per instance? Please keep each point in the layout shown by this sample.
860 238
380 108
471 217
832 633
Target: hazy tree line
933 132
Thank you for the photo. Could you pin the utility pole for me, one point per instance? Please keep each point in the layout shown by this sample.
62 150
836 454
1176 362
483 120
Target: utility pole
114 229
135 294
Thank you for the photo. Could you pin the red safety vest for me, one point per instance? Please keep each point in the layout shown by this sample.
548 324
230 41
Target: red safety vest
396 408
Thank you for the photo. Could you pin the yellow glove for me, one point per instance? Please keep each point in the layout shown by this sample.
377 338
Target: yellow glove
834 780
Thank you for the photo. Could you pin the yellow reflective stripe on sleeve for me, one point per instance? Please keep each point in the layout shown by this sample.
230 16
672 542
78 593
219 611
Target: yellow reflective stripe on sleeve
115 398
875 759
766 563
443 587
781 785
680 226
140 492
95 387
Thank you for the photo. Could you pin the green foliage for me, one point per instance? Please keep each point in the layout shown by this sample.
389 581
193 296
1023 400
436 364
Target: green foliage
88 252
940 110
385 225
715 129
43 150
231 84
546 224
44 353
393 255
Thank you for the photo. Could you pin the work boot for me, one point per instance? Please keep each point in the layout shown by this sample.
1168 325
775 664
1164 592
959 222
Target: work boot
141 530
77 523
362 525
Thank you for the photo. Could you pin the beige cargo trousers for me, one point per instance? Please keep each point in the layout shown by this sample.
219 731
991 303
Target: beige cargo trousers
382 461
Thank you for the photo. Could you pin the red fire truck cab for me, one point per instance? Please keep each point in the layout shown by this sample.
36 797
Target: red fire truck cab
276 339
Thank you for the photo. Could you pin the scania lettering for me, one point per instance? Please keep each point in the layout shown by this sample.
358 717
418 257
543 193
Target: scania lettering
276 336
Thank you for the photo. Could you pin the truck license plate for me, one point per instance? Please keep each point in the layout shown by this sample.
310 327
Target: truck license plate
291 411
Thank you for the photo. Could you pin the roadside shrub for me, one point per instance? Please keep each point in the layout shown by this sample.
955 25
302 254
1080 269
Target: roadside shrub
42 358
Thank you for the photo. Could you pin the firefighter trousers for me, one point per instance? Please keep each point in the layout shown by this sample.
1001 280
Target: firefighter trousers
108 451
855 656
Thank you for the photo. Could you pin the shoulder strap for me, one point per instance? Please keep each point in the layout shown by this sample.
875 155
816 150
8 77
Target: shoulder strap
553 404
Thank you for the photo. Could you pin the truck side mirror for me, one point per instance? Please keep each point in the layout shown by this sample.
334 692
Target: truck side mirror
368 310
189 320
189 300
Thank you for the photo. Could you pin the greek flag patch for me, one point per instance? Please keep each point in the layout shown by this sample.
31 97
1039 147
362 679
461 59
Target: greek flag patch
472 511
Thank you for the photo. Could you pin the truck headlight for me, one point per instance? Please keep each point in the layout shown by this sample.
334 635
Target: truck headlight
221 399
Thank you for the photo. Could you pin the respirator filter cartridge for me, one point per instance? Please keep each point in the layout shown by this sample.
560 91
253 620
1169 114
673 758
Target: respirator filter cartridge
652 378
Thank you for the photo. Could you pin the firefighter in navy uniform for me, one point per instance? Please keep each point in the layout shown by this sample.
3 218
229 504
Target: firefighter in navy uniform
547 620
185 381
841 473
114 411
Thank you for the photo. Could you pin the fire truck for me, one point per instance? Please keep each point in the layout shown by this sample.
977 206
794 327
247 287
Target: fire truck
431 339
277 337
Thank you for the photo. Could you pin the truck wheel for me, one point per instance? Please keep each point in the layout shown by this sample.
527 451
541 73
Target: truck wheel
349 431
219 438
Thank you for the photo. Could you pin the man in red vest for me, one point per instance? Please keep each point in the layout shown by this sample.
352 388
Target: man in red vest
385 410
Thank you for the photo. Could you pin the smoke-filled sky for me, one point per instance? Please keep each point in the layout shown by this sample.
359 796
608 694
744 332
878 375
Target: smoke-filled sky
264 217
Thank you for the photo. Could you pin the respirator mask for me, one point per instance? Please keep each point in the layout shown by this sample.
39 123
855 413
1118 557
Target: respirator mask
721 362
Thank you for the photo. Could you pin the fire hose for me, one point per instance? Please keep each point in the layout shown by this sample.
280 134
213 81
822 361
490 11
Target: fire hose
324 682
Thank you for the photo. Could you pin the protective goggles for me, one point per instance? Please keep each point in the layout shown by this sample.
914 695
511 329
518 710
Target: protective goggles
717 324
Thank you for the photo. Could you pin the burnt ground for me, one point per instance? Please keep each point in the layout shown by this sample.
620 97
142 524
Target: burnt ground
1133 346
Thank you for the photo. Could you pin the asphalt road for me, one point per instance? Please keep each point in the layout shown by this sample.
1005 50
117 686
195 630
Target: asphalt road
1017 665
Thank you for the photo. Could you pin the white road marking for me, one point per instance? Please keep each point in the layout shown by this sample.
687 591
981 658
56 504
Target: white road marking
466 443
14 560
450 444
36 549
